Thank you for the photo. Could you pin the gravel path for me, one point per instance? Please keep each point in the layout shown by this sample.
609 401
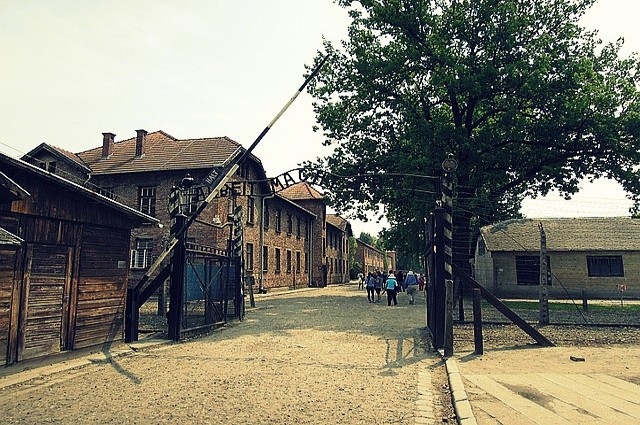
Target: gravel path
321 356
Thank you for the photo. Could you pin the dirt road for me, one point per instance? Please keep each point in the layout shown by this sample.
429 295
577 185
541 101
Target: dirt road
320 356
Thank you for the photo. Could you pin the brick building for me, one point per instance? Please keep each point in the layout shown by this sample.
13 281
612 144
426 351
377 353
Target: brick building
285 244
329 236
284 233
371 258
338 232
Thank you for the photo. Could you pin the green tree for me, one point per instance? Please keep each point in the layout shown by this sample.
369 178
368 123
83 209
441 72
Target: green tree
356 267
523 97
367 238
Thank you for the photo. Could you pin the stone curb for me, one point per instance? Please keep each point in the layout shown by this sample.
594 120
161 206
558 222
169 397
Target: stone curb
279 292
461 404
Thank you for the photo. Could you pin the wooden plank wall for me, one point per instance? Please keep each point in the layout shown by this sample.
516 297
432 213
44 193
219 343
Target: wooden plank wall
102 286
71 276
64 205
7 263
47 285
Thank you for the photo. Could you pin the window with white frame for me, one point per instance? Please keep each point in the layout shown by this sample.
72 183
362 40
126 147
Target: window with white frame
278 221
142 254
147 200
265 217
107 192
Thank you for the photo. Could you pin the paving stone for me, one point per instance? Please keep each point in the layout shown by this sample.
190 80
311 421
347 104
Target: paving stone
463 410
452 366
455 382
425 420
467 421
459 395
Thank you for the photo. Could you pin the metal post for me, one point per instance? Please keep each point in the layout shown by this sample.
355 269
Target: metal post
477 322
132 313
176 288
448 320
437 293
250 282
458 292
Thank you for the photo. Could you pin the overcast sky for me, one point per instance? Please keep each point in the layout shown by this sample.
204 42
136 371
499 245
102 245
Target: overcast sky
72 70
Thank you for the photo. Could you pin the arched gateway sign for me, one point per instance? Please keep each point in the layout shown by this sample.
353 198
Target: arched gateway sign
274 184
318 178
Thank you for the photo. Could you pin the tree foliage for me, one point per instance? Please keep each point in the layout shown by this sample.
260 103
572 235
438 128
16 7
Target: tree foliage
354 265
524 98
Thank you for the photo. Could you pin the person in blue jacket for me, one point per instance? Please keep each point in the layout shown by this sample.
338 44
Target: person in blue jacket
411 286
391 287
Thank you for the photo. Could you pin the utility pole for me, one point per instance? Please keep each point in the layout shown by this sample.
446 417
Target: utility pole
545 277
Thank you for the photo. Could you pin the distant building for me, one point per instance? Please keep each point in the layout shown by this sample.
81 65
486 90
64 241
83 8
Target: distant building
599 255
329 234
371 258
338 232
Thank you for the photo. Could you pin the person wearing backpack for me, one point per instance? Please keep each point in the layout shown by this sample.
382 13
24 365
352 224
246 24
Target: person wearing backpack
392 287
411 286
371 280
377 285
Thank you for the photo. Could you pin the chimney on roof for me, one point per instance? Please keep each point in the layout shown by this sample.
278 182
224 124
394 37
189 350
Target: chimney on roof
141 138
107 144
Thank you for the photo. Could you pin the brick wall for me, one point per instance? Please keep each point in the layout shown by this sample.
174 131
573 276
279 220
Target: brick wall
63 168
126 190
371 259
318 263
288 244
337 255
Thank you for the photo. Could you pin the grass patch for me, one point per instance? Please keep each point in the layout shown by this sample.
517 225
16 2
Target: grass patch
614 306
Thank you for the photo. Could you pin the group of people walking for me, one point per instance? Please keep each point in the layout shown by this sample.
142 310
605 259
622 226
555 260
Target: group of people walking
377 283
373 283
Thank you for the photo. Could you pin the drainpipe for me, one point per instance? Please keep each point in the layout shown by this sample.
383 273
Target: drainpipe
310 253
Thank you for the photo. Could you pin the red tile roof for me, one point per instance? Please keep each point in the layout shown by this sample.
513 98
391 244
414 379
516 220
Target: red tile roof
300 191
339 223
62 153
336 221
71 156
162 152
